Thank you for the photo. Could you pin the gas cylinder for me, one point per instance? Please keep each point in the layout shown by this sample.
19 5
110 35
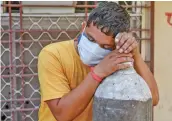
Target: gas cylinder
123 96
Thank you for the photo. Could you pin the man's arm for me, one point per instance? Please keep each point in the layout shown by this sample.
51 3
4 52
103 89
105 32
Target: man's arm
72 104
143 70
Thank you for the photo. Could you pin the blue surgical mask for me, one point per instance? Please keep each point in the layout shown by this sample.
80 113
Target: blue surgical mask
90 53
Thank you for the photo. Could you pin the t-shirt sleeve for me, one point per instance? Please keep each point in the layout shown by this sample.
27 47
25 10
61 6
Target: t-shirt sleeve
53 82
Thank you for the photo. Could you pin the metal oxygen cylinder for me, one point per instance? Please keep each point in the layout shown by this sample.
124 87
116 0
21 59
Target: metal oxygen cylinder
123 96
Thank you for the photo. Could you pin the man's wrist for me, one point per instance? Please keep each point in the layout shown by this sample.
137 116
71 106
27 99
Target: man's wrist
95 75
136 53
98 72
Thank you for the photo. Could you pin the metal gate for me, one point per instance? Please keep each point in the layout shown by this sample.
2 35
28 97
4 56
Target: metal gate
23 35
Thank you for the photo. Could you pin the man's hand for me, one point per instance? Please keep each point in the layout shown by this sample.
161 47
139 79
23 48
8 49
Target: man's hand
126 43
113 62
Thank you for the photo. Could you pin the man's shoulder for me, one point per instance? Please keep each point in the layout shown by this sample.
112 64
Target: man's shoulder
58 50
57 45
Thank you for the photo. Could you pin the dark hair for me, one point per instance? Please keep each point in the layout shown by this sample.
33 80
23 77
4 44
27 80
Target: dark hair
110 18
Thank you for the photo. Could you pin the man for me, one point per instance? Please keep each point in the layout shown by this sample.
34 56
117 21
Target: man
66 83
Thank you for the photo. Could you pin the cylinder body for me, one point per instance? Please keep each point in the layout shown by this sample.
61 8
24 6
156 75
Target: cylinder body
123 96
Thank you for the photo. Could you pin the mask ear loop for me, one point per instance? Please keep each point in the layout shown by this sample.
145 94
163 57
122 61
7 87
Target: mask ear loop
82 34
83 28
82 31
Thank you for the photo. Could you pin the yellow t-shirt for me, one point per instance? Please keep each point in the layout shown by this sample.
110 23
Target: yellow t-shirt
60 70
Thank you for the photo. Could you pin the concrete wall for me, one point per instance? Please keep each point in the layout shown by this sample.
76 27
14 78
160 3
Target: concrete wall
163 61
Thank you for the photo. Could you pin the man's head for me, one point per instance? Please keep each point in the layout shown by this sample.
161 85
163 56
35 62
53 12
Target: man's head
105 22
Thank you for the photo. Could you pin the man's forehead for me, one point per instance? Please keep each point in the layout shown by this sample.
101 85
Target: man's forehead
102 29
99 36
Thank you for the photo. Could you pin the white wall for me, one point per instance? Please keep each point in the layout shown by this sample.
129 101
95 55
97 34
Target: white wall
163 61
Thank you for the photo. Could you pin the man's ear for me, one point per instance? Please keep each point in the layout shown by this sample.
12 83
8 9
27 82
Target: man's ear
83 25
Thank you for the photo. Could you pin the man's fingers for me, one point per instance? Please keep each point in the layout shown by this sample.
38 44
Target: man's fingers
118 55
127 40
121 39
131 47
123 60
123 66
117 39
127 44
124 55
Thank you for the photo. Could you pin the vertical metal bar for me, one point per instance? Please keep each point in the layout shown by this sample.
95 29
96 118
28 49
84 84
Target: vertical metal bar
139 11
22 59
95 3
152 37
86 10
143 33
152 10
11 56
14 69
